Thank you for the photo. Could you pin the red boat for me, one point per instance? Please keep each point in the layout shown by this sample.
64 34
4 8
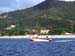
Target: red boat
37 39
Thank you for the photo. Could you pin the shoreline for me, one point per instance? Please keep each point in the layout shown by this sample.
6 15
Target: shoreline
40 36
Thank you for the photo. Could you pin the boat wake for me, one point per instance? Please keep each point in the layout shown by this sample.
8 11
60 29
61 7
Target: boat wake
64 40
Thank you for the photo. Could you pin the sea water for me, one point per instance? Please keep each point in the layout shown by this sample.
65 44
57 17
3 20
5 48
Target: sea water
24 47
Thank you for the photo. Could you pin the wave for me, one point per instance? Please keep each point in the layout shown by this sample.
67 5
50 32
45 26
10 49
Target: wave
64 40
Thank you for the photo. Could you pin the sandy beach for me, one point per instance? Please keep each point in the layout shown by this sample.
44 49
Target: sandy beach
41 36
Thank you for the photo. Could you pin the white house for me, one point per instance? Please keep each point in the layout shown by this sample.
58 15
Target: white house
44 31
10 27
13 26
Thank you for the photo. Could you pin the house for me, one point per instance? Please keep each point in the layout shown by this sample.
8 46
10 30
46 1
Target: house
10 27
44 31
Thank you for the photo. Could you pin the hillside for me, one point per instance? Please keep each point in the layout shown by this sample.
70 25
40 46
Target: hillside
58 16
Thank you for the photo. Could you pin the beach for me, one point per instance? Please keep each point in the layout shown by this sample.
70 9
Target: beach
41 36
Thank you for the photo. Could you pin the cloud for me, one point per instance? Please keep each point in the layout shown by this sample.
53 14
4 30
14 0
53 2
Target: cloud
33 1
27 3
10 5
6 9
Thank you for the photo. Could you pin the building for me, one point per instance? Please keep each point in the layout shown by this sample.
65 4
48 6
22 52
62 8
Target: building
44 31
10 27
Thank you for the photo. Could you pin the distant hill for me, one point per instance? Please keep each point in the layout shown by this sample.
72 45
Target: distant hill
53 14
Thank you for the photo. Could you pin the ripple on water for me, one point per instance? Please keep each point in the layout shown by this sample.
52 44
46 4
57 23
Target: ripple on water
23 47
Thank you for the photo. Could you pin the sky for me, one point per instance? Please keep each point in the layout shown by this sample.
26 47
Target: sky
10 5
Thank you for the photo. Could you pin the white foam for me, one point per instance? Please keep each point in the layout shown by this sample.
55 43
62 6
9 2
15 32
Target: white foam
64 40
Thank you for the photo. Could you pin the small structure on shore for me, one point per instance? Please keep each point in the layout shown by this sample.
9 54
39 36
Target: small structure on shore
10 27
44 31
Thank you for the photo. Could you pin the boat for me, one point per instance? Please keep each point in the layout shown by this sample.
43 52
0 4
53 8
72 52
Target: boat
41 40
37 39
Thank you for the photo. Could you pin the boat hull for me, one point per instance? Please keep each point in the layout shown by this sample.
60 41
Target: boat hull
41 40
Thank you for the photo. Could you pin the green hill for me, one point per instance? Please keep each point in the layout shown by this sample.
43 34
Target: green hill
58 16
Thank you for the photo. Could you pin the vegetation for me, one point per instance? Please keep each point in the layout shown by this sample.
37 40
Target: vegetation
59 17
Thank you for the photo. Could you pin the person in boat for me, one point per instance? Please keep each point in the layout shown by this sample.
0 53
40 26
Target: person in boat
34 35
47 37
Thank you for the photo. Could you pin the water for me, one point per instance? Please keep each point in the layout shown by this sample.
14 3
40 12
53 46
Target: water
24 47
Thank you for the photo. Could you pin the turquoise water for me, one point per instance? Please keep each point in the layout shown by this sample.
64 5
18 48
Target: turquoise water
24 47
